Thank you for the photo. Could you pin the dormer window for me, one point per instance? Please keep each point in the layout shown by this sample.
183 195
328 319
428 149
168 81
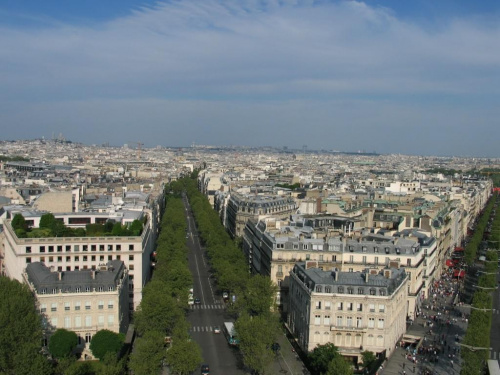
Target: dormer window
364 249
375 249
387 250
340 290
398 250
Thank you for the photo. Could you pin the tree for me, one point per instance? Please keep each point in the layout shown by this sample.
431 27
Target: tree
183 357
321 356
257 335
339 366
104 342
136 228
62 343
368 358
47 221
19 222
110 365
148 354
259 295
21 330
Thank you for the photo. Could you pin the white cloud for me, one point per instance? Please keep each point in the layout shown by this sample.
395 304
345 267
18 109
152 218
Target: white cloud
256 51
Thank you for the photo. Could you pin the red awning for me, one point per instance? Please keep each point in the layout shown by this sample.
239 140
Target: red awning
459 273
449 263
459 249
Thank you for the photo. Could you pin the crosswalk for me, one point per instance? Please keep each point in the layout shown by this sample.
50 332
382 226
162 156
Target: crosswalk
209 329
207 307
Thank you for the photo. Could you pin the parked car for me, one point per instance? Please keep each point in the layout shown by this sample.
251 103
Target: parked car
197 301
217 329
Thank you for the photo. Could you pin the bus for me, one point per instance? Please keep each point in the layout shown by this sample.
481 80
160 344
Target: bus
493 367
230 333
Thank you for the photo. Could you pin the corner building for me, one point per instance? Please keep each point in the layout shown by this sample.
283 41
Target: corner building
356 311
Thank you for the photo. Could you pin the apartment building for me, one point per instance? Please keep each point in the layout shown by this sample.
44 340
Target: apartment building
242 207
356 311
83 301
83 253
272 248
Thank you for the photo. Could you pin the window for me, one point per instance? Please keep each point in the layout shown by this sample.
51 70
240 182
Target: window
131 247
59 249
381 308
308 256
381 292
334 258
77 305
111 320
349 321
351 259
339 321
350 291
372 307
408 262
110 304
131 267
340 290
78 289
77 259
364 259
88 338
376 260
351 269
381 323
42 249
59 259
326 320
28 260
88 321
318 305
359 307
28 249
43 307
77 247
51 259
371 322
375 249
328 305
101 258
340 306
93 247
118 247
305 246
110 247
100 320
359 322
42 259
318 288
53 321
68 247
130 257
67 322
101 305
85 247
111 288
66 306
373 291
110 257
321 258
361 291
317 319
53 307
88 305
51 249
101 247
78 322
87 289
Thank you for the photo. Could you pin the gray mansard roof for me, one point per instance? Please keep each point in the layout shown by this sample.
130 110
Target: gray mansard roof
383 283
46 282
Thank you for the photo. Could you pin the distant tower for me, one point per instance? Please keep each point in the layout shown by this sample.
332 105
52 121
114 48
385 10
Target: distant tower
304 149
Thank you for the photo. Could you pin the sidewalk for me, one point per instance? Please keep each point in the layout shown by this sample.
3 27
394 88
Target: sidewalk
440 325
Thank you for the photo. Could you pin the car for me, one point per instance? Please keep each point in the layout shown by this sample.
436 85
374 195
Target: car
225 296
205 370
197 301
217 329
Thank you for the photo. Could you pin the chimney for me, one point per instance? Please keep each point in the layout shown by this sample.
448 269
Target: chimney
59 275
366 276
92 274
311 264
335 274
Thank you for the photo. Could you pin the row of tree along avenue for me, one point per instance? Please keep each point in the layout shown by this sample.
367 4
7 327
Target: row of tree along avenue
257 319
160 320
475 348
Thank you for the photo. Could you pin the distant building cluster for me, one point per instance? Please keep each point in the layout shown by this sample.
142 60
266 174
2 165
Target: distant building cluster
353 241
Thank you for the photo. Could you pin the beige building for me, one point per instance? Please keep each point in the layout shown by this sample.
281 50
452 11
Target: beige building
356 311
83 253
84 301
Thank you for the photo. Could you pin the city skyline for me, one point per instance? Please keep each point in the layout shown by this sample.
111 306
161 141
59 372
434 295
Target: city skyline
384 76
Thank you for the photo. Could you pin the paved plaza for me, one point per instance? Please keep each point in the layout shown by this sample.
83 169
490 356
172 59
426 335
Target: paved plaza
440 325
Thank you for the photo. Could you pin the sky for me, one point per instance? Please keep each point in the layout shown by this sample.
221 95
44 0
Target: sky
418 77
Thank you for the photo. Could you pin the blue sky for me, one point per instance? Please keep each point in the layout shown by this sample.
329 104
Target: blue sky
411 77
